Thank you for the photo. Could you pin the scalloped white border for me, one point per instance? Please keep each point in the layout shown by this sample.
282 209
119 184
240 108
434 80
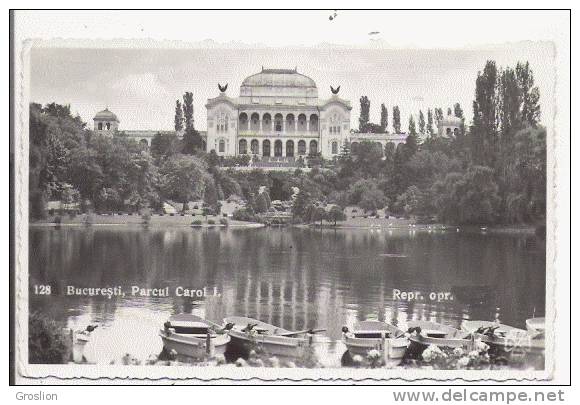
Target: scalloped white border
74 374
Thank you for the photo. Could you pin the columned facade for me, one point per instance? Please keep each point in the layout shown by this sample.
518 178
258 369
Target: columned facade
277 117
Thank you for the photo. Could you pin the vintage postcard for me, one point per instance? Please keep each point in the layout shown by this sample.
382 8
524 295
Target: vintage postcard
221 210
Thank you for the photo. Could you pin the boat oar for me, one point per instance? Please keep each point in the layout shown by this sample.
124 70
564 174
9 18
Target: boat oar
300 332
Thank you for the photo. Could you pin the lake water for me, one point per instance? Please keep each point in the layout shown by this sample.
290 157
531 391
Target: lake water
294 278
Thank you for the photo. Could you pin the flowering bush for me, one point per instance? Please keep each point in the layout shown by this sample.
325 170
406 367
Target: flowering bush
457 358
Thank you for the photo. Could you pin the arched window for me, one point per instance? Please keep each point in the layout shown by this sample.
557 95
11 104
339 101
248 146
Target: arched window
302 147
314 123
278 122
313 147
290 148
255 146
278 148
243 125
266 148
448 131
222 146
108 126
243 147
143 142
222 122
267 122
100 126
290 123
301 123
255 122
334 148
455 131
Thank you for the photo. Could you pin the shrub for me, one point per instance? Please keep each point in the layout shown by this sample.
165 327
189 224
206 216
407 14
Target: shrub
211 222
47 343
243 214
196 222
146 217
57 219
224 221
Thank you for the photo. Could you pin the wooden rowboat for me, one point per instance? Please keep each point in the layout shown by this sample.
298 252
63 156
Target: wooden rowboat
192 336
389 340
252 334
427 333
505 338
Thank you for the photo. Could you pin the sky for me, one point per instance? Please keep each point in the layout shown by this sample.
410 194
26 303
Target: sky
140 80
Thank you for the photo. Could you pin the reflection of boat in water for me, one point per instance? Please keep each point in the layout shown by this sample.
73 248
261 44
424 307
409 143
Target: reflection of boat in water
505 339
375 335
249 334
192 336
427 333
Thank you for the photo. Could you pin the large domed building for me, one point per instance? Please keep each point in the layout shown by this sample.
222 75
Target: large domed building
277 116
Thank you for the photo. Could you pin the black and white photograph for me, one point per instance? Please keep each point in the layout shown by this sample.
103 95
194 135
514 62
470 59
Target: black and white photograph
358 208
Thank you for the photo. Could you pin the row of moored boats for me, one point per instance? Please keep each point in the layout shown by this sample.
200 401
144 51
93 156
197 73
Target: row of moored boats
192 336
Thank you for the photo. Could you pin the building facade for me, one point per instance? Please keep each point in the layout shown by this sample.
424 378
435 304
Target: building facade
106 123
277 116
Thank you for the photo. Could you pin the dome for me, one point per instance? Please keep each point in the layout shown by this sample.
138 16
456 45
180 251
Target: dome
105 115
279 78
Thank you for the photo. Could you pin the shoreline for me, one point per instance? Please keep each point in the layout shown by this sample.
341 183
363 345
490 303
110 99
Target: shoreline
156 221
179 221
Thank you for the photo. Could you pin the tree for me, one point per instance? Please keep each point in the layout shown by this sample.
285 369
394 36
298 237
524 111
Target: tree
182 178
262 202
164 145
409 202
188 111
429 127
412 127
69 196
411 146
469 198
210 194
357 189
300 203
365 107
438 116
396 119
335 214
421 123
191 142
509 103
47 343
458 112
372 199
484 115
384 118
530 95
178 116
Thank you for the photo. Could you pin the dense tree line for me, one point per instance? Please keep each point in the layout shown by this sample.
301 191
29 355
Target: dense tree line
70 163
492 171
